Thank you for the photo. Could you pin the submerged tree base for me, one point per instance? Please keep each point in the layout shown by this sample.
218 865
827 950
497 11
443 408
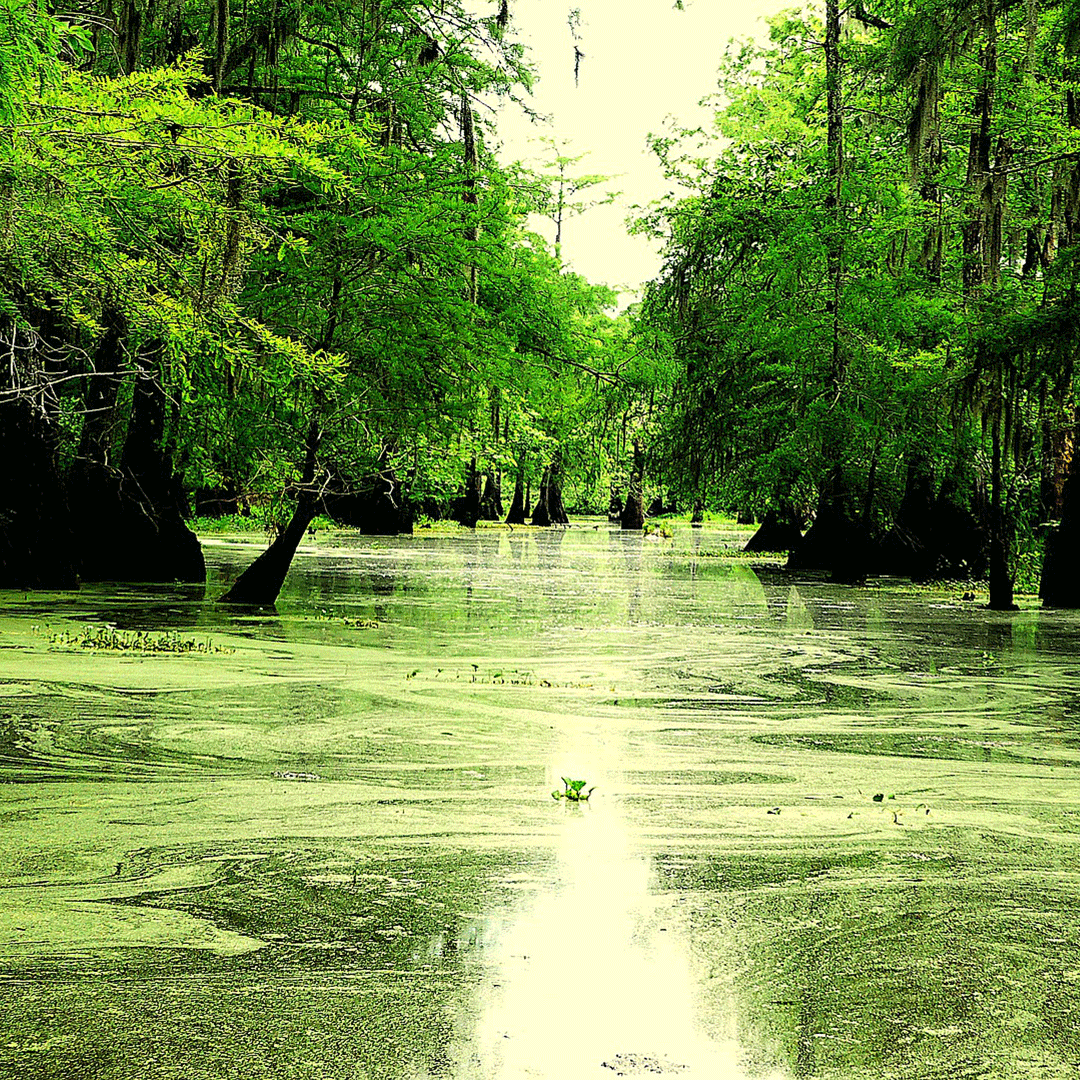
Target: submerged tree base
260 583
1060 585
776 533
836 544
377 505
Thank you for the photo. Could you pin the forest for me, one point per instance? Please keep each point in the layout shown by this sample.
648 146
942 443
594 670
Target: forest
264 257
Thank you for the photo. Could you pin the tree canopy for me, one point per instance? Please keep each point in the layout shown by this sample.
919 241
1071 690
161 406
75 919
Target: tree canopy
266 255
870 293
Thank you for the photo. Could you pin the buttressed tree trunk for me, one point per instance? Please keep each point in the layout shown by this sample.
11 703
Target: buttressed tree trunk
540 514
467 508
633 515
556 510
261 582
837 541
132 512
779 531
516 516
1060 585
549 507
491 505
36 543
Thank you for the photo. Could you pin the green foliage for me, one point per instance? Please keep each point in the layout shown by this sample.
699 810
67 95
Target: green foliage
261 519
291 220
662 531
833 333
29 44
129 201
573 791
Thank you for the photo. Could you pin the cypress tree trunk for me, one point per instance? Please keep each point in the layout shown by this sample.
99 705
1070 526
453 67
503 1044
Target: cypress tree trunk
907 545
549 507
491 506
378 504
835 150
1060 585
817 549
927 157
540 515
779 531
129 37
1001 585
132 516
102 389
556 511
978 167
36 541
467 508
633 515
982 258
834 542
92 484
516 516
221 41
261 582
470 198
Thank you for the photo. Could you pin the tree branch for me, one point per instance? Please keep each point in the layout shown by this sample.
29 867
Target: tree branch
860 14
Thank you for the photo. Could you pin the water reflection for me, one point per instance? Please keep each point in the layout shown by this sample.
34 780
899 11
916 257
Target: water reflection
593 978
627 555
594 975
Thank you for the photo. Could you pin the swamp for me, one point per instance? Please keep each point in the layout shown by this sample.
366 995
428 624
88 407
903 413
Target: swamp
833 831
506 572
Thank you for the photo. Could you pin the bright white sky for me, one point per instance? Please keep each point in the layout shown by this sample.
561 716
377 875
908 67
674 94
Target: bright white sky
644 62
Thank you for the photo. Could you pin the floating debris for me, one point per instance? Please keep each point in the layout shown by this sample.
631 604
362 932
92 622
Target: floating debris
641 1065
109 639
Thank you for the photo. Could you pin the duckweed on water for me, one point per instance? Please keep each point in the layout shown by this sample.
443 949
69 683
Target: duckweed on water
109 639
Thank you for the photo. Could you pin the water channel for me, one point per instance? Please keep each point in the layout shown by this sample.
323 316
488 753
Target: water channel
834 831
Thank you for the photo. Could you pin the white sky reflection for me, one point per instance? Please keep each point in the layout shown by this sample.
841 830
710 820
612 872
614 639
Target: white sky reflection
594 978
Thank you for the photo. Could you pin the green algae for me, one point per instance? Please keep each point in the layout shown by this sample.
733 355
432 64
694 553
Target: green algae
331 851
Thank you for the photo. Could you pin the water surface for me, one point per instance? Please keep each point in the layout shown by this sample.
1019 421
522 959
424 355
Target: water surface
834 831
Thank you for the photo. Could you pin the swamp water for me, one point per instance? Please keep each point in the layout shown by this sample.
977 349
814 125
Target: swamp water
834 831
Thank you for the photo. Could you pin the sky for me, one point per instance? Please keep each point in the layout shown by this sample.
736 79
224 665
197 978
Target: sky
644 62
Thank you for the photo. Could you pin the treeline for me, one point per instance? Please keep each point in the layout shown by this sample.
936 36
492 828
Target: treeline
264 254
871 294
